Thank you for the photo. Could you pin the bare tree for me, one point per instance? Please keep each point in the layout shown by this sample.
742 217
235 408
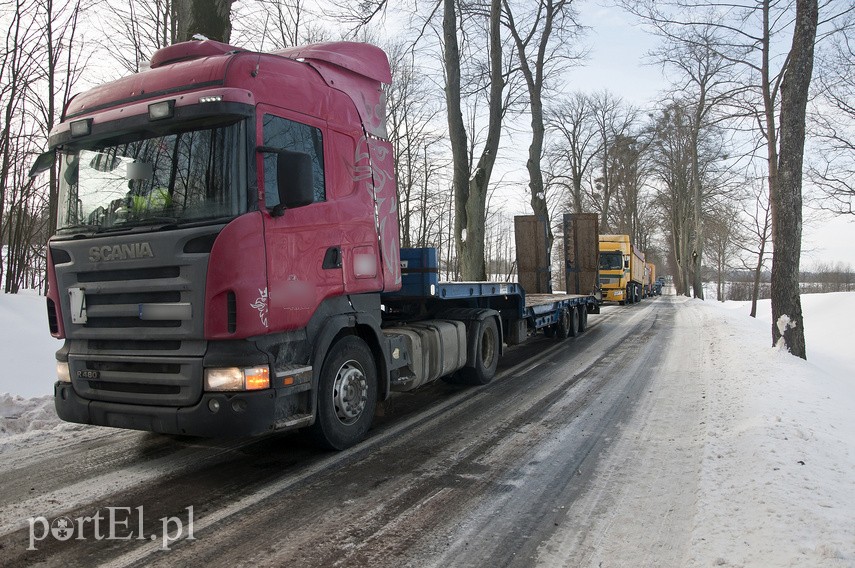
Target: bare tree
542 33
672 166
833 120
411 115
702 77
613 119
576 146
787 322
756 227
133 30
19 72
471 185
277 24
720 237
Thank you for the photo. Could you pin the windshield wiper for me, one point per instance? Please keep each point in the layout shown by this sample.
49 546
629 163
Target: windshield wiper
81 228
151 221
147 222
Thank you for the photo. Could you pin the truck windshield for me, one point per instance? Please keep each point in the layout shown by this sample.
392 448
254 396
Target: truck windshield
611 261
176 178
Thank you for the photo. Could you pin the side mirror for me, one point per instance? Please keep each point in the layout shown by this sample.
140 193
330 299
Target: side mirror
295 179
626 263
43 163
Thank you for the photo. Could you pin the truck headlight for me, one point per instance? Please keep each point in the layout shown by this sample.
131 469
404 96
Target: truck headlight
63 375
237 379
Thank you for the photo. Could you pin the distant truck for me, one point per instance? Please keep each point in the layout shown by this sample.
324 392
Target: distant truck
227 258
659 284
650 281
622 270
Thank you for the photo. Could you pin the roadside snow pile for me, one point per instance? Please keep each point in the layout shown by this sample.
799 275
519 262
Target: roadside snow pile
19 415
27 349
778 481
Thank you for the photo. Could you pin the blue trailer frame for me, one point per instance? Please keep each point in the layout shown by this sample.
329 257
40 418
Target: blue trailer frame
423 296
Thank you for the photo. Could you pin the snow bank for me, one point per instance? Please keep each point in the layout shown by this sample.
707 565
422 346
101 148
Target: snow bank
29 365
27 349
778 481
19 415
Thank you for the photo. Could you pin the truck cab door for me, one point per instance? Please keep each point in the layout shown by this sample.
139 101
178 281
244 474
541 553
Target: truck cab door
303 244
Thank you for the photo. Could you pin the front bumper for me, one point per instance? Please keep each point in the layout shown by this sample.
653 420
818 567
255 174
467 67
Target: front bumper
239 414
614 295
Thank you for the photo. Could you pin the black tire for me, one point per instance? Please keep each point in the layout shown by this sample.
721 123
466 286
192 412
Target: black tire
486 354
583 318
574 322
563 326
347 394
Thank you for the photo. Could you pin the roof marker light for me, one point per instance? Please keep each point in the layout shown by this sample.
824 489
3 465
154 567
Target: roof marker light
81 127
161 110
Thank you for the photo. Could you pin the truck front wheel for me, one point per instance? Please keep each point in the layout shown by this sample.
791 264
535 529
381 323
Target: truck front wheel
347 394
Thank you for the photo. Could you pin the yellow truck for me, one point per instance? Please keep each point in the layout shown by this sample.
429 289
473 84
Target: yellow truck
650 281
622 270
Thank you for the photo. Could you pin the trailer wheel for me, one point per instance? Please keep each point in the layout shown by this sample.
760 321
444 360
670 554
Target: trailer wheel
574 322
564 326
583 318
486 354
347 394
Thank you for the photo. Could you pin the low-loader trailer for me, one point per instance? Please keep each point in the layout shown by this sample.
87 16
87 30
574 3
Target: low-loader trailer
227 260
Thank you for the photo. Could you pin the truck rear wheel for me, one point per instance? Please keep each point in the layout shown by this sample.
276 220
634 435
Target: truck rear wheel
347 394
486 354
583 318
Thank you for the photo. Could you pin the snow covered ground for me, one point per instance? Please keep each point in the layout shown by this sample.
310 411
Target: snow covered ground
27 352
758 446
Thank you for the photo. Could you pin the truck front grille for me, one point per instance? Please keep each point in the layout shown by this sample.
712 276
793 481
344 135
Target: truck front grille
138 335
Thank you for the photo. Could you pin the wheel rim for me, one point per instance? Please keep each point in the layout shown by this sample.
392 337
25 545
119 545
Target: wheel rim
350 392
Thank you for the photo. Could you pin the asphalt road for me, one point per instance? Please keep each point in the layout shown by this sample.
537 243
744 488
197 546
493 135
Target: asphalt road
449 476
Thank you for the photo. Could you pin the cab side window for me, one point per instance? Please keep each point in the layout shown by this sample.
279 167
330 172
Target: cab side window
289 135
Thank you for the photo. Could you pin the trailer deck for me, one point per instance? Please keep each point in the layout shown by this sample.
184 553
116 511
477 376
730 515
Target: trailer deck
422 292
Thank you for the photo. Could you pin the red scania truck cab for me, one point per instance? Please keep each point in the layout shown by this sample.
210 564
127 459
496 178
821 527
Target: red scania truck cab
226 222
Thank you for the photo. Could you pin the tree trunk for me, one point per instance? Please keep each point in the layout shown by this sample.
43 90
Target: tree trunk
470 191
787 321
755 291
210 18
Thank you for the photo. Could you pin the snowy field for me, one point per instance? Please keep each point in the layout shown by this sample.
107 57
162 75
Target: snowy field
769 474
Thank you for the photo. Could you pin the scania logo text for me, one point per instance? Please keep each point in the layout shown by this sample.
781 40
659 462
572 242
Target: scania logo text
129 251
